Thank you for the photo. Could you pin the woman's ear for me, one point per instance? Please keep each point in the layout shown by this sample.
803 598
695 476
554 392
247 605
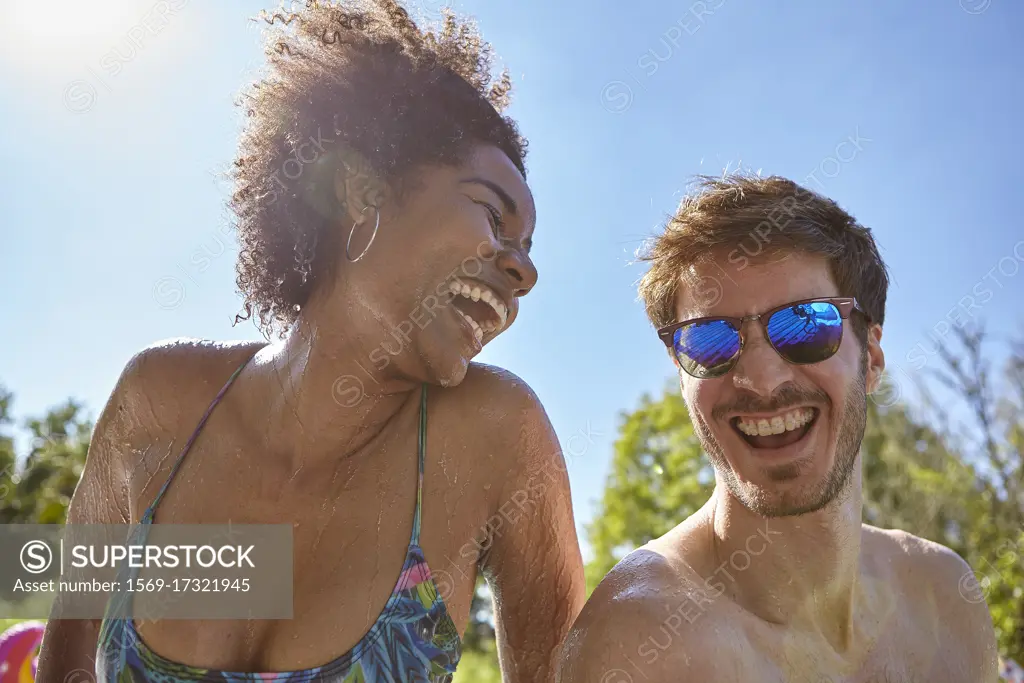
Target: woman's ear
357 185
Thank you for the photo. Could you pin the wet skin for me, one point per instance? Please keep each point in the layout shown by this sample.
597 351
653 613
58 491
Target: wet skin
298 440
775 579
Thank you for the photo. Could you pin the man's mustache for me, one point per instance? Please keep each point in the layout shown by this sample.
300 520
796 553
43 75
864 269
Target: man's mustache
785 397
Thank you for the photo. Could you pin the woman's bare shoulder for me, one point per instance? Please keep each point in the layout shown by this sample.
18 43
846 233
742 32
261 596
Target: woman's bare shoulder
499 405
159 388
497 420
185 362
164 384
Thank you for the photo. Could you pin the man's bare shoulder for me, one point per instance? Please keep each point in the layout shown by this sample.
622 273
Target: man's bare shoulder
927 564
649 619
923 568
930 574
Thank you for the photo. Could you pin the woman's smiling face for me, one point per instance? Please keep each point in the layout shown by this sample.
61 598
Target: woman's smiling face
445 271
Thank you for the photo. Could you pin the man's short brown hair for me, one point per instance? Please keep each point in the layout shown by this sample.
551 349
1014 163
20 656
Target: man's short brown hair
756 218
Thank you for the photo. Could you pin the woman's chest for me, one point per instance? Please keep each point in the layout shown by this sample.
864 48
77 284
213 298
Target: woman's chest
356 554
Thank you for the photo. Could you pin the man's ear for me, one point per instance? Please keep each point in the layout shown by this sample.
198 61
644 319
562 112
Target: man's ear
876 359
357 185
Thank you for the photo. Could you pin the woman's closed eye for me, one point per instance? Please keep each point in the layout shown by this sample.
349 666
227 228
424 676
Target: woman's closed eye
496 220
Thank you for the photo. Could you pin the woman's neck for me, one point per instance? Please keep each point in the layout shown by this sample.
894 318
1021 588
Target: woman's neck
320 399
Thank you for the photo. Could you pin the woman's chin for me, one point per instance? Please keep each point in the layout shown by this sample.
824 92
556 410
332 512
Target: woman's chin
445 356
449 363
451 375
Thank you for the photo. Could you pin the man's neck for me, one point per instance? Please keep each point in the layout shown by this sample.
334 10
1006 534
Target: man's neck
805 573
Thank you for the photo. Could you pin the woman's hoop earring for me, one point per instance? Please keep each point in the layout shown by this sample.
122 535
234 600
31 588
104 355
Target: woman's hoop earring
376 225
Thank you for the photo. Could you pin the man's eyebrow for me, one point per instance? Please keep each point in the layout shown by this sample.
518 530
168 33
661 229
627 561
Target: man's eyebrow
510 204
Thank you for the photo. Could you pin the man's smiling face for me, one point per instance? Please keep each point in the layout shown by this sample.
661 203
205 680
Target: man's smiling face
815 413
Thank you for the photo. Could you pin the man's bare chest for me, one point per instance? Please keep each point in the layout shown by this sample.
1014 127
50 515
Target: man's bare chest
899 652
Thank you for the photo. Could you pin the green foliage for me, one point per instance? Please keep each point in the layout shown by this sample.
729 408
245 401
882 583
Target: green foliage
479 665
966 493
8 458
479 636
658 477
912 481
38 490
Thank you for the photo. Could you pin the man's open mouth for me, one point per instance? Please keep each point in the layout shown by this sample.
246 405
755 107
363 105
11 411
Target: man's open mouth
775 431
480 306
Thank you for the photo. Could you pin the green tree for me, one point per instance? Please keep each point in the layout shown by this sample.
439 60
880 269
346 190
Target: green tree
991 440
913 481
479 666
659 477
38 490
8 458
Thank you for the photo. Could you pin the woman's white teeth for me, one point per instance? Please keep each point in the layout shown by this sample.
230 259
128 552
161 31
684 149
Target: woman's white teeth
794 419
488 297
477 330
484 294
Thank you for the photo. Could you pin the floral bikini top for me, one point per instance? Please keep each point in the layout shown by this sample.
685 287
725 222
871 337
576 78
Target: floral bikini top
413 640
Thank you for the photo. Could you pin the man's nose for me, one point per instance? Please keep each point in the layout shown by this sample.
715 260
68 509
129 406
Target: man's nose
760 369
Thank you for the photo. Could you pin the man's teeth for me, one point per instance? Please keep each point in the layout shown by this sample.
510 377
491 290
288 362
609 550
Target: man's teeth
477 293
794 419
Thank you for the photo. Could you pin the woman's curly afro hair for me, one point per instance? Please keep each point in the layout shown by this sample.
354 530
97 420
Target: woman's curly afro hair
361 76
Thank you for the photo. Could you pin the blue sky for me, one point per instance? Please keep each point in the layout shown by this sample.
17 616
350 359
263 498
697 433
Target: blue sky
909 117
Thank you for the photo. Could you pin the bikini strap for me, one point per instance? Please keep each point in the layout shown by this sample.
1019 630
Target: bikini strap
422 458
147 517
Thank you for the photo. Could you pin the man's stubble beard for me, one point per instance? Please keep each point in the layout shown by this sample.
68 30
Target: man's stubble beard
761 501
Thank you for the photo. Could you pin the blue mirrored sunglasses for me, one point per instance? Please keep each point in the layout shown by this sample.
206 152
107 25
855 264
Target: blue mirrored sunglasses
802 332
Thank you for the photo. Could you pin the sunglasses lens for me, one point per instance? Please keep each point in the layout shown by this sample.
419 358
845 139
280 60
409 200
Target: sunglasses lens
806 333
706 349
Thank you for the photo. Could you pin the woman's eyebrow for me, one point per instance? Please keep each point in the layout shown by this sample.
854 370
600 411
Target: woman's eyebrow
510 204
